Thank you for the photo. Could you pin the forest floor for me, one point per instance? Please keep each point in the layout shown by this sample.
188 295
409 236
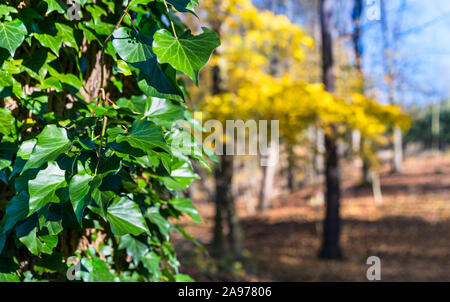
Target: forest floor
409 231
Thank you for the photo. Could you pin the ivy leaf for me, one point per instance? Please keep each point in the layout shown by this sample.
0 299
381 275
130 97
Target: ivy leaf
135 248
136 49
185 205
97 271
144 135
7 151
16 210
162 223
158 80
163 112
184 5
57 5
181 176
51 82
79 193
183 278
125 217
188 53
35 64
97 12
52 42
5 10
6 121
27 232
12 35
11 277
65 33
51 143
131 46
142 2
151 262
46 187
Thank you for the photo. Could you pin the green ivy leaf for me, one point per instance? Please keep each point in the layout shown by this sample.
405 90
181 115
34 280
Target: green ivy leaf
79 190
187 53
183 278
131 46
5 10
135 248
163 112
136 49
151 262
16 210
158 80
12 35
45 188
65 33
184 5
162 223
58 5
125 217
6 121
27 232
7 151
11 277
145 136
51 143
52 42
181 176
97 271
185 205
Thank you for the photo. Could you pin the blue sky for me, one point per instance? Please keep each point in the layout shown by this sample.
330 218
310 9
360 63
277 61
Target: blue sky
423 50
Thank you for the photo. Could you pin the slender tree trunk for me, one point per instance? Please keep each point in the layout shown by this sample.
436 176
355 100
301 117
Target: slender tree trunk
397 160
331 232
398 150
435 126
268 177
366 175
222 182
291 169
224 200
357 47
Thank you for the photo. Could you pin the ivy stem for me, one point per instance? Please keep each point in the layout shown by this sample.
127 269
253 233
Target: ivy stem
103 94
171 23
133 22
102 63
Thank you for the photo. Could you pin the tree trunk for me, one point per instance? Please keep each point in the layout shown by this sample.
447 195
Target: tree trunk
397 160
331 232
435 126
223 196
357 47
398 150
366 175
268 177
291 169
225 208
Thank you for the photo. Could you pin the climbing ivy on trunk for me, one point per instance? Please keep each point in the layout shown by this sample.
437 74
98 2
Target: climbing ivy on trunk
90 109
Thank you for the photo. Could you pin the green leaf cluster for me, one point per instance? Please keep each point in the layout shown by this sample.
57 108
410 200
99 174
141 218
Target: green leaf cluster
84 161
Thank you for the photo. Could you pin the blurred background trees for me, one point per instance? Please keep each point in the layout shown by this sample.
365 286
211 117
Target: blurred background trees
269 68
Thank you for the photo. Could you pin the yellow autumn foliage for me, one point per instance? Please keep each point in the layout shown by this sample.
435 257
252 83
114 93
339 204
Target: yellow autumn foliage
258 59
